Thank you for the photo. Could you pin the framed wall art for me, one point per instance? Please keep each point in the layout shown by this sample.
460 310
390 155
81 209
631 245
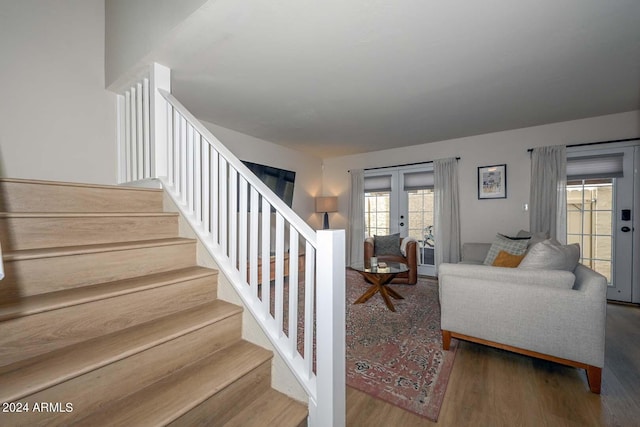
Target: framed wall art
492 182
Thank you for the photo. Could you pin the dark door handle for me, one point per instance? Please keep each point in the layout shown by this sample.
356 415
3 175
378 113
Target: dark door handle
625 229
402 224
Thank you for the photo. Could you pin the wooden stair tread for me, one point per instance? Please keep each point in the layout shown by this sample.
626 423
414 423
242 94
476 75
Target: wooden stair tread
88 249
181 391
29 376
19 195
78 184
54 300
85 214
271 409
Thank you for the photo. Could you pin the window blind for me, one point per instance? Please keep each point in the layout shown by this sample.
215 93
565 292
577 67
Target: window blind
418 180
377 183
590 167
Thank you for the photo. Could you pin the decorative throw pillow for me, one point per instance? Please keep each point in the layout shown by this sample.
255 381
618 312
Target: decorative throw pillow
505 259
504 243
535 237
387 245
551 255
518 237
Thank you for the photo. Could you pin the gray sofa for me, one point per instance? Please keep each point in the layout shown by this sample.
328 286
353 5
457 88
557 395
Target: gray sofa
551 314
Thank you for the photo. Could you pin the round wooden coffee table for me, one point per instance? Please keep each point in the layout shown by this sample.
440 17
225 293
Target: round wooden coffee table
379 277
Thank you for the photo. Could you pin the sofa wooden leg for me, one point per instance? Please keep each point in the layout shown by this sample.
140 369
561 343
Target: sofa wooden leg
446 340
594 376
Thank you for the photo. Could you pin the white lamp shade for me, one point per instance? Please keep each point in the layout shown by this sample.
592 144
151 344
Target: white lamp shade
326 204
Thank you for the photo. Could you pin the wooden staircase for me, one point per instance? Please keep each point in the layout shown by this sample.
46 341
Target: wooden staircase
105 318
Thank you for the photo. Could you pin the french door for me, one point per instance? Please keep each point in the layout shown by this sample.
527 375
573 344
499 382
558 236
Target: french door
400 200
602 215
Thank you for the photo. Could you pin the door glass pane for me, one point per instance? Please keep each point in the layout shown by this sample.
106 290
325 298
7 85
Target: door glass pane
604 268
377 213
420 225
602 222
590 222
420 204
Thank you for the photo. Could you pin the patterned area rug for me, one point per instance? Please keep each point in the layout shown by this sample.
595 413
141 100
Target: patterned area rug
398 357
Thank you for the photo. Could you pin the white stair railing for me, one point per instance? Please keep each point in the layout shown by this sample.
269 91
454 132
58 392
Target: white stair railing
290 277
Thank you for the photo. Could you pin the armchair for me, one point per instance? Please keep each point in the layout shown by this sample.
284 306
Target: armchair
410 259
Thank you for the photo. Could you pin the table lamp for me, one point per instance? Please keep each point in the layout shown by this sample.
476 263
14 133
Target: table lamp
326 205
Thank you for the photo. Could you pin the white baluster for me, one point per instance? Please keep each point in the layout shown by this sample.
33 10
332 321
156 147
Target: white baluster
233 216
253 243
215 196
134 133
177 124
146 129
127 140
223 229
279 288
206 180
170 146
266 256
242 230
309 315
189 193
197 176
122 156
293 290
183 160
139 133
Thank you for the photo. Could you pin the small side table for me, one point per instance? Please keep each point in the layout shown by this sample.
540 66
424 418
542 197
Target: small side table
379 278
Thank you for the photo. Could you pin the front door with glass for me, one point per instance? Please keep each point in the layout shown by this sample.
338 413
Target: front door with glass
600 200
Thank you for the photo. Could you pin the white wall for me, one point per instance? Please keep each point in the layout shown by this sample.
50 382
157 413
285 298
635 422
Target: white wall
135 27
57 121
482 219
308 169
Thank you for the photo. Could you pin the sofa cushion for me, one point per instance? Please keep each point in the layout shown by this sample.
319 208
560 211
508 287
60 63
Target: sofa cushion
551 255
504 243
505 259
387 245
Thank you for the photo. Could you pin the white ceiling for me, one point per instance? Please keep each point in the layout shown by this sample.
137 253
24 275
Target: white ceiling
339 77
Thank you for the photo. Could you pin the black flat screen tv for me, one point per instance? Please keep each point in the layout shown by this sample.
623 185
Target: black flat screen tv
281 181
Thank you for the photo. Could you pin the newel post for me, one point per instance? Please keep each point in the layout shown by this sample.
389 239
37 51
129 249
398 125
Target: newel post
160 78
330 408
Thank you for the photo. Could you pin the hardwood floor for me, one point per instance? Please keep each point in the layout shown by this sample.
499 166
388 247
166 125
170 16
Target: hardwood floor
491 387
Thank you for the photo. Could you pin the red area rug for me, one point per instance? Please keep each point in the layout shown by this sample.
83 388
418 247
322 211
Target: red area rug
398 357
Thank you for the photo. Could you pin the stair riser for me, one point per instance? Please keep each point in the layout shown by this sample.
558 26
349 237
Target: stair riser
37 334
116 380
49 232
227 403
30 196
36 276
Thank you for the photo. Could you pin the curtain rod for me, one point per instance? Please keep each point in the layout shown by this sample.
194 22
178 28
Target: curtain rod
596 143
399 166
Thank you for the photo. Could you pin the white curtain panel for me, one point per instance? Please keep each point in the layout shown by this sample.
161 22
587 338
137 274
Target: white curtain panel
355 227
548 196
447 211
